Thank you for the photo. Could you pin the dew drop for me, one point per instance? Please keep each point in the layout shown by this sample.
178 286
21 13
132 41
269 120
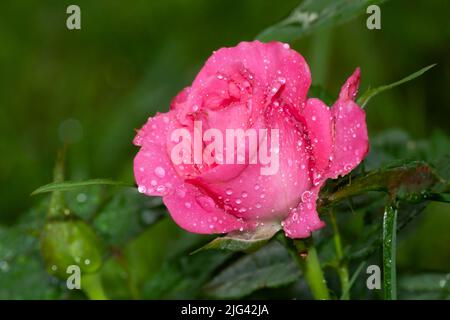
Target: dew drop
160 172
306 196
161 189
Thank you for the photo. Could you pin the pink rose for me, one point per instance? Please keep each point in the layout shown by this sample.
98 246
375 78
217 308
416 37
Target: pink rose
261 87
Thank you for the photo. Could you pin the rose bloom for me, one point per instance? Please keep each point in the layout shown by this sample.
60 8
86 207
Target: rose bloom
260 86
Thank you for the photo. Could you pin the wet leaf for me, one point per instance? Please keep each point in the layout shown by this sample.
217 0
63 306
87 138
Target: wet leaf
125 215
269 267
243 241
408 181
70 185
183 276
312 15
426 282
22 272
370 93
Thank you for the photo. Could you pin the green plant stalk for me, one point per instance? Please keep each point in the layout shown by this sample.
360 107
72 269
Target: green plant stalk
57 202
310 265
312 270
389 252
320 57
92 286
342 268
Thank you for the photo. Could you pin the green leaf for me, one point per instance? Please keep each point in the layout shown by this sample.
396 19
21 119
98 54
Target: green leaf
440 197
407 181
390 252
426 282
370 93
312 15
70 185
184 276
243 241
269 267
355 275
22 273
125 215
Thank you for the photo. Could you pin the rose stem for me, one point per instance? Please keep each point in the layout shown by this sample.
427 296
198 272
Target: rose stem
91 284
309 265
342 267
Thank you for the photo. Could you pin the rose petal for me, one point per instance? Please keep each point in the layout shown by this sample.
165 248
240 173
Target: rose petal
196 212
153 169
351 142
255 70
318 126
304 219
250 194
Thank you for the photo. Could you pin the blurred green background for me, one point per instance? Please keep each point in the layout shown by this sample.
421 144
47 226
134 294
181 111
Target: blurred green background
92 87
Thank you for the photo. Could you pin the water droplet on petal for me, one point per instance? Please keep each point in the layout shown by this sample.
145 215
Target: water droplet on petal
306 196
160 172
161 189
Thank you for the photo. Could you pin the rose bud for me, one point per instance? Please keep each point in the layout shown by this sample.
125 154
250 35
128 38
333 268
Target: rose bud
244 146
66 242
